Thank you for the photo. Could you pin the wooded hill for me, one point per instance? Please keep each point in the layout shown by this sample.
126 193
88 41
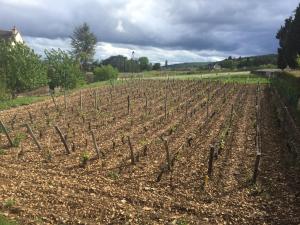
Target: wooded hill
251 62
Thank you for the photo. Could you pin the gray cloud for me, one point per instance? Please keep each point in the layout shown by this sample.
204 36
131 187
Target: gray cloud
105 49
235 27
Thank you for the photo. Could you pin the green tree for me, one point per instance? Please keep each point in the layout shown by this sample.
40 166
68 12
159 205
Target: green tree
120 62
144 63
156 66
105 73
281 63
289 41
21 68
298 61
83 44
62 69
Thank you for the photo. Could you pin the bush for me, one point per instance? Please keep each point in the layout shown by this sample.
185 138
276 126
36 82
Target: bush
20 69
105 73
62 69
84 158
18 139
3 92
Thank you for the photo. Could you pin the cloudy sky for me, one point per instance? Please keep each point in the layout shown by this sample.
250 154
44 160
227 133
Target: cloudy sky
176 30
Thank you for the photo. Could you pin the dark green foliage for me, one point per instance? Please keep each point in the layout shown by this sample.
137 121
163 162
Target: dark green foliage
105 73
281 61
144 63
156 66
241 63
20 69
249 62
18 139
121 63
62 69
5 221
289 42
83 44
288 86
84 158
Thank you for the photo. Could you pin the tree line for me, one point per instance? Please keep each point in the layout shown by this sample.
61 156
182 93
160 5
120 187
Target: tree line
289 42
21 69
123 64
253 62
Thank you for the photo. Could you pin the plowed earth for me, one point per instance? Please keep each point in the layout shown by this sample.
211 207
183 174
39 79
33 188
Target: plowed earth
52 187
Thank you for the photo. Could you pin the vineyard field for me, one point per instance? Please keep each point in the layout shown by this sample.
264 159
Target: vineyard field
149 152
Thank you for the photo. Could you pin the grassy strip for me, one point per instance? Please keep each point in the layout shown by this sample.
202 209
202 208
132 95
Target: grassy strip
5 221
7 104
236 77
241 79
171 75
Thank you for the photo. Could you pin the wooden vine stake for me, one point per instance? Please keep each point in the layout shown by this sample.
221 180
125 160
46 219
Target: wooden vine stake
166 99
53 99
131 151
207 109
63 140
231 115
95 145
128 105
168 158
30 117
256 167
207 104
6 133
80 100
96 101
258 140
146 102
186 109
29 130
65 99
210 161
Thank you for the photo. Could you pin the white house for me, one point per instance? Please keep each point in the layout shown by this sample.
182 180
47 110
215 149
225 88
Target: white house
217 67
13 35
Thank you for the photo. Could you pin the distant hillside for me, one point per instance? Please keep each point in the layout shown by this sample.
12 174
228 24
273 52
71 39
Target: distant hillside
251 62
262 61
192 65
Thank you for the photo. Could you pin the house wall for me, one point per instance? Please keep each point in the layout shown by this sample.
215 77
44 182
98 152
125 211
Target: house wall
18 38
